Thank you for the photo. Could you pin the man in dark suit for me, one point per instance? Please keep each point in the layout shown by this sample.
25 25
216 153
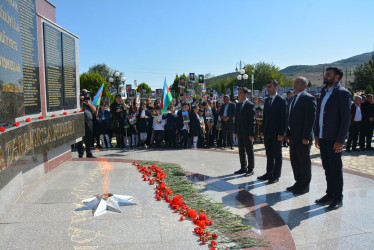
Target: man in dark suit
301 117
273 130
244 129
356 125
227 113
367 121
332 125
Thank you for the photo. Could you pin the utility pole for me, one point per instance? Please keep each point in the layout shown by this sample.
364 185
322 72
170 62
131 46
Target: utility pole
323 73
346 77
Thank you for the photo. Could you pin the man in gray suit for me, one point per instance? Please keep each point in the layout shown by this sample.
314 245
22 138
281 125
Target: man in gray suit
301 117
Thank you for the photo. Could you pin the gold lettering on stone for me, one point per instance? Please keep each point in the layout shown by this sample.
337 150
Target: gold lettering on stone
21 145
2 161
50 135
35 137
8 148
15 150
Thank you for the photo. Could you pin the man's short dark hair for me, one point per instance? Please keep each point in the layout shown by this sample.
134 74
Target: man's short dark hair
274 82
337 71
184 104
369 95
289 92
244 89
204 104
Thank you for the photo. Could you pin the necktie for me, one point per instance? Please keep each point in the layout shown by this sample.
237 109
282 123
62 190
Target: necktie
270 101
293 103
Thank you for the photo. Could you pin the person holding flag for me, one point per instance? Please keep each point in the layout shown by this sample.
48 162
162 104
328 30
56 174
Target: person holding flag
166 98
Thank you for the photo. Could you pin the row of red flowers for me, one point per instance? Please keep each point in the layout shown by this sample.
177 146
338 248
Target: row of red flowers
16 124
154 174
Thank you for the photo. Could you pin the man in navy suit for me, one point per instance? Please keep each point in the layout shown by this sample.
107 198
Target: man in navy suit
332 125
244 129
301 117
273 130
227 113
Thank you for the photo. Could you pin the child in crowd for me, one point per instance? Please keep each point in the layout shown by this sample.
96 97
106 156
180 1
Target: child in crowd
183 123
196 131
143 123
202 137
103 116
158 127
171 126
133 130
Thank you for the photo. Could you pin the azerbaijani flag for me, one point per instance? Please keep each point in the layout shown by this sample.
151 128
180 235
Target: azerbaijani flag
97 98
166 98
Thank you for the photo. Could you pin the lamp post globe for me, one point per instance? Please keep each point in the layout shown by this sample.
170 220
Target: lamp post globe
240 77
245 77
116 74
242 71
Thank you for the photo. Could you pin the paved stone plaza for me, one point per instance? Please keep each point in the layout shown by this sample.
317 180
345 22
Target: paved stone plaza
48 214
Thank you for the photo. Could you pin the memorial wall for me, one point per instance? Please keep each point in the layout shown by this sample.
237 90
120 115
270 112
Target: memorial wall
39 109
20 93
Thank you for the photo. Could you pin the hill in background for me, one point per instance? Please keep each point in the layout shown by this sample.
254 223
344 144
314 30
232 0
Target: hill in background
313 73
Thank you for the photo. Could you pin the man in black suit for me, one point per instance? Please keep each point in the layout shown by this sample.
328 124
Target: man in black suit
227 113
273 130
244 129
301 117
332 125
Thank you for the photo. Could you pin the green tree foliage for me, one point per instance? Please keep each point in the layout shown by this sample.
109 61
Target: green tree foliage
364 76
369 90
92 82
174 85
145 86
102 69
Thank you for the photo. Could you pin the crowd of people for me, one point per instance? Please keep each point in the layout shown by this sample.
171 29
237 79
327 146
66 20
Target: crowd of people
295 121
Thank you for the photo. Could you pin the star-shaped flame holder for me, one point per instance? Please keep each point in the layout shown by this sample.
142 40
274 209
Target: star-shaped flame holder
101 203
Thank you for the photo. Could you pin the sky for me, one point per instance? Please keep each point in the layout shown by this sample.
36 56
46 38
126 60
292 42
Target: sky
149 40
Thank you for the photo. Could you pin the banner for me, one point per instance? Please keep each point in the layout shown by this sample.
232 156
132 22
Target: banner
236 91
189 98
190 86
228 91
192 77
128 87
112 90
220 98
158 93
201 78
182 83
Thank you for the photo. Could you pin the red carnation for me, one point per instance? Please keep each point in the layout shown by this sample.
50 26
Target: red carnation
53 115
65 113
28 120
41 117
215 236
192 213
81 110
75 112
2 129
213 243
16 124
181 218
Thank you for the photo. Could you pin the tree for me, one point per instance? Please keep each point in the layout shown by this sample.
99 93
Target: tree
364 75
369 90
92 82
145 86
105 71
102 69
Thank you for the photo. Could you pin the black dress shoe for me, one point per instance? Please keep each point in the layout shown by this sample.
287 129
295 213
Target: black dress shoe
249 173
240 171
264 177
301 190
324 200
231 147
292 188
355 150
273 180
80 156
90 156
348 150
335 205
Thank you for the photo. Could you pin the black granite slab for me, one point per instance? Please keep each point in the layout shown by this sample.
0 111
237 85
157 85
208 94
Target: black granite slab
19 145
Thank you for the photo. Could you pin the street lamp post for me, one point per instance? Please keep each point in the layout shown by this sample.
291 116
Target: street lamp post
117 80
242 77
